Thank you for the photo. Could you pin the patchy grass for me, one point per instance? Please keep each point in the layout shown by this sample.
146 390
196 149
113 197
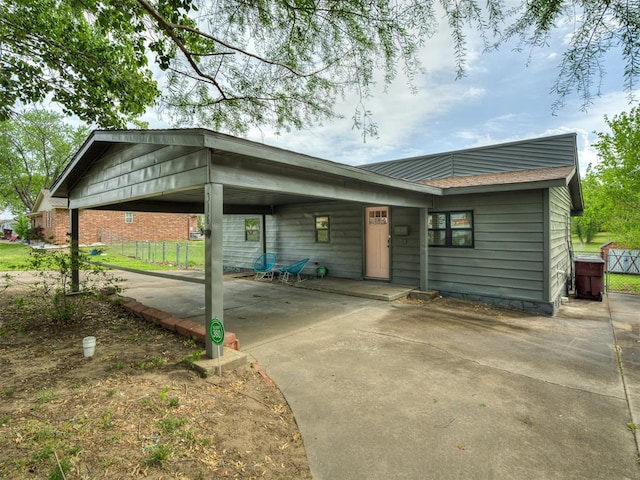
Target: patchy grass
111 256
185 254
624 283
66 416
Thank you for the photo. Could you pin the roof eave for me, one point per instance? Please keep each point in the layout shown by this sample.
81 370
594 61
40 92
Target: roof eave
36 204
82 160
240 146
575 188
60 187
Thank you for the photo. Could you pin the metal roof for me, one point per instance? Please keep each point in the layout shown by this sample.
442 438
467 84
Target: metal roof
544 152
533 163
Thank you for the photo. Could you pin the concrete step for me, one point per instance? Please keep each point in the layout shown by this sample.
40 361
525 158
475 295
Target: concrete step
426 295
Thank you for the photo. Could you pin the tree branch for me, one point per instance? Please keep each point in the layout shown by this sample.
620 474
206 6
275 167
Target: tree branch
170 28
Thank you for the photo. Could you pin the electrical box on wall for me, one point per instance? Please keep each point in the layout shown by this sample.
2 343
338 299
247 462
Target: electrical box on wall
401 230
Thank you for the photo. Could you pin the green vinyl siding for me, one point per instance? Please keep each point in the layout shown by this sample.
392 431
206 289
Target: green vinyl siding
507 258
510 264
296 240
405 267
291 236
559 241
237 253
131 171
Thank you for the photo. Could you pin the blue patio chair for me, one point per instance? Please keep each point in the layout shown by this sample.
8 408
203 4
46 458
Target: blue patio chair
263 266
294 269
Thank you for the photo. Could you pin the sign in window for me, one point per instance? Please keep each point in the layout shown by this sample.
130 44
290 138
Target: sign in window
451 229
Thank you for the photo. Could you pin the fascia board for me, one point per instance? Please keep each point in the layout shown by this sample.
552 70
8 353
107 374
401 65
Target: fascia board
239 146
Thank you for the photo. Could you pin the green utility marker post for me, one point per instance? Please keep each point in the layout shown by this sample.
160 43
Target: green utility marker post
216 334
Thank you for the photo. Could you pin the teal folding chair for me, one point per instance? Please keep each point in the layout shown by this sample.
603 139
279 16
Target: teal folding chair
294 269
263 266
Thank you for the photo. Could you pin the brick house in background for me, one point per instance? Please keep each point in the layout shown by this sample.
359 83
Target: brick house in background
52 216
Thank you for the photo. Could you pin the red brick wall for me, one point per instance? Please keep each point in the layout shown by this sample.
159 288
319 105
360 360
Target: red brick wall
106 225
60 226
55 225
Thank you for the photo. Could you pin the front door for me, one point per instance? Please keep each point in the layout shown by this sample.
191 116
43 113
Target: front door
377 242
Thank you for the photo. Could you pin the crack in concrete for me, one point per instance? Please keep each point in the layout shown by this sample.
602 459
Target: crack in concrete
618 350
493 367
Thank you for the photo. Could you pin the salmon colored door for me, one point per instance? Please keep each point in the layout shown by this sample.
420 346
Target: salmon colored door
377 242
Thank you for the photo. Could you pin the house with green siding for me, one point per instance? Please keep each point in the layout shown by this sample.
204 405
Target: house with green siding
489 224
500 231
520 197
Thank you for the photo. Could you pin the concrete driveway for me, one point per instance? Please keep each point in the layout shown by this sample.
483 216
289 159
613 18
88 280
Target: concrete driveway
444 390
448 390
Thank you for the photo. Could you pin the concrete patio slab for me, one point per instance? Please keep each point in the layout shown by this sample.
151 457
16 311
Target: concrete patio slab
446 391
358 288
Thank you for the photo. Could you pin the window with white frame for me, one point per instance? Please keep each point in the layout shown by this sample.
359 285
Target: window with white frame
128 217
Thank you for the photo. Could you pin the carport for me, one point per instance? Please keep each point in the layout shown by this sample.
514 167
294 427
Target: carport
200 171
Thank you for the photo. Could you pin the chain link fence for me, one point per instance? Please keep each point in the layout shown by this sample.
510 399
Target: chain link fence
621 269
179 254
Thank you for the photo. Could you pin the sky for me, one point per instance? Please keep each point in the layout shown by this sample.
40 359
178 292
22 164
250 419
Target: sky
504 97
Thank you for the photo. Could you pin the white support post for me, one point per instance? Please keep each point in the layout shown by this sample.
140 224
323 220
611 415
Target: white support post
214 302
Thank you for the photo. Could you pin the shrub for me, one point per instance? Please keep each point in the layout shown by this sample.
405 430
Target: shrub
54 270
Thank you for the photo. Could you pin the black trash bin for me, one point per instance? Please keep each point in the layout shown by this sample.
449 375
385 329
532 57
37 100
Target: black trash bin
589 273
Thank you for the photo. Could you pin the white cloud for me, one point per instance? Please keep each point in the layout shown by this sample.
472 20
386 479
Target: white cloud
504 97
473 92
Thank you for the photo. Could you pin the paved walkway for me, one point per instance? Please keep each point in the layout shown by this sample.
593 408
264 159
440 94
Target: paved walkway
625 318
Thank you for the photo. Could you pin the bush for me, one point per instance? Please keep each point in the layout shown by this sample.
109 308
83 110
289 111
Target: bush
54 280
22 227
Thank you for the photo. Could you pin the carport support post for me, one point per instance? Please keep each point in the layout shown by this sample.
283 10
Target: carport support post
424 249
264 233
213 273
74 221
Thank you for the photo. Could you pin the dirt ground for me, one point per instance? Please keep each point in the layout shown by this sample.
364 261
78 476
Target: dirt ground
133 410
